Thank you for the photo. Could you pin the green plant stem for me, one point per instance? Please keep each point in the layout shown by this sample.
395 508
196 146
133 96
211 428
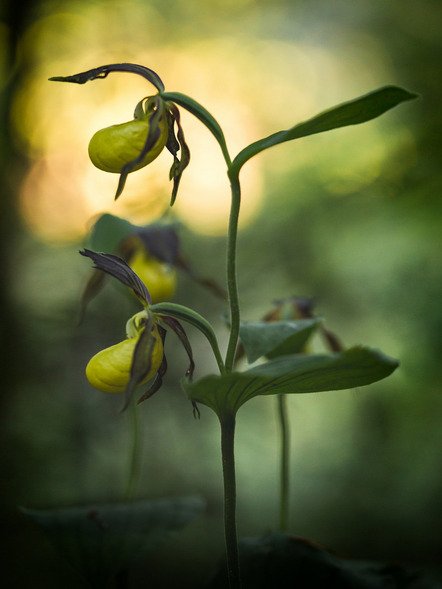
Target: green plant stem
135 452
228 460
232 285
284 463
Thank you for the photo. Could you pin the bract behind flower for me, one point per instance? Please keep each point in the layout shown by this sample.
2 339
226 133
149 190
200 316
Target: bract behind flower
159 277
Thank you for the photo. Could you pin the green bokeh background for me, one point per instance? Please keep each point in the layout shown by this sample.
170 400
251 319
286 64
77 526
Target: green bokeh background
366 464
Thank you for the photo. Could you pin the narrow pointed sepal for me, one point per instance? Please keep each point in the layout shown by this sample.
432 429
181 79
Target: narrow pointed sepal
116 267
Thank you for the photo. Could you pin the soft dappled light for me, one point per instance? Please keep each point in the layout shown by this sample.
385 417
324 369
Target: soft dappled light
250 92
350 218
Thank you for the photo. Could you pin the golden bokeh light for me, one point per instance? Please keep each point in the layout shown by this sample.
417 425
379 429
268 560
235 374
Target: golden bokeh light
272 85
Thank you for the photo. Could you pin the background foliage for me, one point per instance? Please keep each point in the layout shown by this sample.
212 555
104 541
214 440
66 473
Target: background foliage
351 217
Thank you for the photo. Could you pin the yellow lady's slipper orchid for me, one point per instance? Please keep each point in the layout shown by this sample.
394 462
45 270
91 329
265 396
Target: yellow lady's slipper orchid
110 149
124 148
139 358
159 277
109 370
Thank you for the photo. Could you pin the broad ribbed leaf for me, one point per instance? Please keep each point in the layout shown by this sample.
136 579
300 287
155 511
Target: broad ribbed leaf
362 109
276 338
101 540
299 373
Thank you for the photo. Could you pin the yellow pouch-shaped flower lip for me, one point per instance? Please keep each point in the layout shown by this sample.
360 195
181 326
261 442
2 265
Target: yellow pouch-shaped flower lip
159 277
109 370
111 148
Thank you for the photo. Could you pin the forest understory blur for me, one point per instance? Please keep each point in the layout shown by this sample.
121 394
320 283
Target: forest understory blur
351 218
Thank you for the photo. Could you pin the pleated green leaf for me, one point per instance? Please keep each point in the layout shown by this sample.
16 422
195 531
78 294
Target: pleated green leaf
276 338
299 373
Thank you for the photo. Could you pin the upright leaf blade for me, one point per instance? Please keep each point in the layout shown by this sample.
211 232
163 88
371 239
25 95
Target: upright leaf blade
360 110
275 338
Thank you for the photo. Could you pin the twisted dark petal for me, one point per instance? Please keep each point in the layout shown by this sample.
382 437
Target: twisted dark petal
179 165
157 383
196 411
176 326
332 340
141 361
116 267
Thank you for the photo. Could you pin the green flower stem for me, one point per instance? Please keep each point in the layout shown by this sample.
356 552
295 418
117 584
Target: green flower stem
284 463
190 316
212 124
203 115
232 286
228 460
227 420
135 452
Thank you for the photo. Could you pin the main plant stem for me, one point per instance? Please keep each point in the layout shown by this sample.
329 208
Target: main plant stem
228 460
232 286
227 419
284 463
135 452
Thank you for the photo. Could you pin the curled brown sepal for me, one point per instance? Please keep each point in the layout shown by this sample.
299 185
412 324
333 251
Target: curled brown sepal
176 326
141 361
158 381
116 267
155 106
104 70
175 144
